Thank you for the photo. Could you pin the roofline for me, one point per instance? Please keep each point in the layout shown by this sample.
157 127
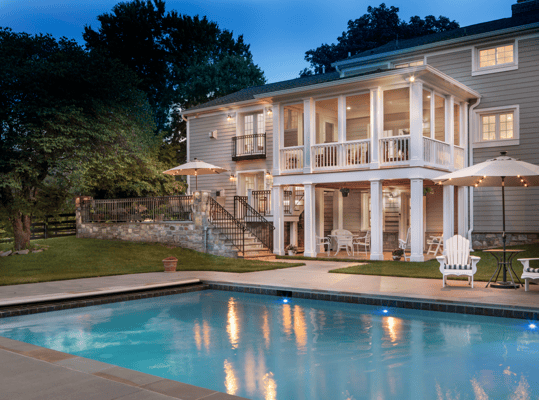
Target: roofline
221 107
383 74
443 43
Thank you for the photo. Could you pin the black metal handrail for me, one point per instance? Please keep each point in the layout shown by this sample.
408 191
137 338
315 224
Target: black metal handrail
259 226
233 229
262 201
164 208
238 210
249 145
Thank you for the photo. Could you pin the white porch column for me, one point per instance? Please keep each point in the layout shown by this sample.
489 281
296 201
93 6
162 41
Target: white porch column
377 215
449 212
417 232
450 129
377 125
278 219
416 124
278 139
462 209
309 130
294 233
319 220
337 210
250 197
309 223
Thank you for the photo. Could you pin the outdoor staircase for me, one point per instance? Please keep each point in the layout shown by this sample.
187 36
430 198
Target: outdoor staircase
251 235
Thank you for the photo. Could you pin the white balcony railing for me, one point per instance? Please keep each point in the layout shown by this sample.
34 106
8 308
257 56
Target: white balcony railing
459 157
326 156
347 155
292 159
356 153
395 150
436 153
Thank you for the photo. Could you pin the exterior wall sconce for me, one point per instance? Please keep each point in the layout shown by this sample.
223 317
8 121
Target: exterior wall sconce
411 79
232 178
270 111
229 117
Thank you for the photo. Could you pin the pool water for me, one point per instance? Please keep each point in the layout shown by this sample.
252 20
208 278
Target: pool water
266 347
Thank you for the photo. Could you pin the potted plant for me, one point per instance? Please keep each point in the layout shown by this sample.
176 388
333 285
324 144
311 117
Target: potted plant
170 264
397 254
345 192
427 190
292 250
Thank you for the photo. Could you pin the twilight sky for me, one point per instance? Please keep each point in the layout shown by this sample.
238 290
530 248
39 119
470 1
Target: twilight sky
279 31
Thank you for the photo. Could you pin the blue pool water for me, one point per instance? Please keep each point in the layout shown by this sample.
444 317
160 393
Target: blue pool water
260 347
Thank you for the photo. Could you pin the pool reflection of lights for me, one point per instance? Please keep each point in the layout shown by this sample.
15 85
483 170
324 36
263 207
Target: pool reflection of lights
532 326
285 300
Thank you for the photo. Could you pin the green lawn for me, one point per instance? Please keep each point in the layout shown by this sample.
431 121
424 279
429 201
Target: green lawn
431 269
70 258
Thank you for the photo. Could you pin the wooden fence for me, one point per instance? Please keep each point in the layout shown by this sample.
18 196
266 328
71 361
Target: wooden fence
64 225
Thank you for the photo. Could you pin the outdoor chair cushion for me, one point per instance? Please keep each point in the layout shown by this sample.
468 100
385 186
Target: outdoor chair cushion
458 266
529 269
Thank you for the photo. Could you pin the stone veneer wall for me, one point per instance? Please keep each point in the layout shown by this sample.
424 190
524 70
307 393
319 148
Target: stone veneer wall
183 234
489 240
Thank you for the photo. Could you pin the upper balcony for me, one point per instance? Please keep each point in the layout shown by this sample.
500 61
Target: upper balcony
409 122
249 147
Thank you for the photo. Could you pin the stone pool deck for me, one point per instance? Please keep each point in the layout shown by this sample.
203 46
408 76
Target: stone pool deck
32 372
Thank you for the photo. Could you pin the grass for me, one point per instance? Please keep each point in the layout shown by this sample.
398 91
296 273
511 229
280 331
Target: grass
431 269
71 258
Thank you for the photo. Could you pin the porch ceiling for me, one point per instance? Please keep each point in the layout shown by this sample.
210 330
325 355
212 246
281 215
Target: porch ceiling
367 185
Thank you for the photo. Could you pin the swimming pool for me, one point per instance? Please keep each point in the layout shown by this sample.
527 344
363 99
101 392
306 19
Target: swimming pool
267 347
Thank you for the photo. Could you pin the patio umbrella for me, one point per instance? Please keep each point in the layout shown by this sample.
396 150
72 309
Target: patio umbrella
196 167
500 171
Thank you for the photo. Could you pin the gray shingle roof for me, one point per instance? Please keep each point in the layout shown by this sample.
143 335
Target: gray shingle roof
485 27
250 92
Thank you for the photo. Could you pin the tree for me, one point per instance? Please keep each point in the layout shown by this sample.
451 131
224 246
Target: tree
61 108
181 61
379 26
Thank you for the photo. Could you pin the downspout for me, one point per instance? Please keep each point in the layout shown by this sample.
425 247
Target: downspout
205 239
471 130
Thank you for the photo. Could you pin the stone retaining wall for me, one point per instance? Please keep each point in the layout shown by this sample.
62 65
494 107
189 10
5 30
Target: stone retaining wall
490 240
184 234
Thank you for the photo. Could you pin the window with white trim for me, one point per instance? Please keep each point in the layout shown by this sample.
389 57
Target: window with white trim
498 127
410 64
497 58
253 123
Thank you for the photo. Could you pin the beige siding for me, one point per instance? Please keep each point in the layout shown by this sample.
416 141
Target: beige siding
219 152
500 89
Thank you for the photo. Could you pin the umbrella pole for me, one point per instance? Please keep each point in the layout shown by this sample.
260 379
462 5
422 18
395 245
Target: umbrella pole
503 233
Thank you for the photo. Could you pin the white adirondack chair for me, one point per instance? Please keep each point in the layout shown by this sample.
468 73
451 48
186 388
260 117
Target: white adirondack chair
457 260
406 244
344 240
528 273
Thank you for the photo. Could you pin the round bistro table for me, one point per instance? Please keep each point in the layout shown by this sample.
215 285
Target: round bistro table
505 263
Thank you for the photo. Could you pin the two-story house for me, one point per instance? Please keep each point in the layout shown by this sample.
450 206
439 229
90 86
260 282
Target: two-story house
357 149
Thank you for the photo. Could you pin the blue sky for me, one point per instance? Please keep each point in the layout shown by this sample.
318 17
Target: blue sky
279 31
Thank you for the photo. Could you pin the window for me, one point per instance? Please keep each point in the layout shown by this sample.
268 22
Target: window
358 117
293 125
396 112
409 64
253 123
497 127
492 59
327 121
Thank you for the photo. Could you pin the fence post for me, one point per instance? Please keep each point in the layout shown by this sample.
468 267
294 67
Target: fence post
45 227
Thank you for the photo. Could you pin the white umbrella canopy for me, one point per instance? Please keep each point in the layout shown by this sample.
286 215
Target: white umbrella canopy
511 171
196 167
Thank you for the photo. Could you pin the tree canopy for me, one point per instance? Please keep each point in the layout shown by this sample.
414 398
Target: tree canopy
181 60
379 26
62 109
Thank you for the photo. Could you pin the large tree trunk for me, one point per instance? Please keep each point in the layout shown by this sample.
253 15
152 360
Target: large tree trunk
21 231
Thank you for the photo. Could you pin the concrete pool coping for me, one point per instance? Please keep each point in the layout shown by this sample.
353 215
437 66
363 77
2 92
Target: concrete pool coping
33 372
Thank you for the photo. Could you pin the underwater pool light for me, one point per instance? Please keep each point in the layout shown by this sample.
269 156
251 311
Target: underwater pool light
385 311
532 326
285 300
